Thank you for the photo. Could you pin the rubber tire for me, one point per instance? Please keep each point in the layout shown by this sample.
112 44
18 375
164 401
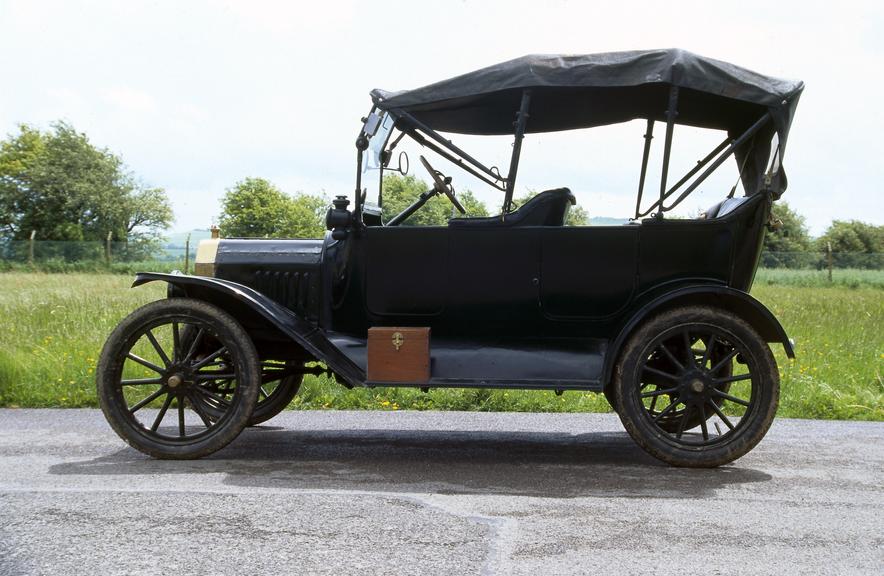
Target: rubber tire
633 414
113 355
276 403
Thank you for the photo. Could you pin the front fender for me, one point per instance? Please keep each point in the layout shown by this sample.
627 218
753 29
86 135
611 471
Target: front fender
736 301
304 333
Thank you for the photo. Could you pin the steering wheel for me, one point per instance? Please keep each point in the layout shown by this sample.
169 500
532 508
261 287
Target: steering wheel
441 186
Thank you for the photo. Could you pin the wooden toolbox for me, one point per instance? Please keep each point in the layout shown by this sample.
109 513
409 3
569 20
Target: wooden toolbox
399 354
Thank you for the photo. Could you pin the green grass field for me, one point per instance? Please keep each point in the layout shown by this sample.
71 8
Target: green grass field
54 326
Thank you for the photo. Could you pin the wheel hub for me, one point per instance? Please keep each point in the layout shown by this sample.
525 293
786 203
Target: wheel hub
695 387
175 380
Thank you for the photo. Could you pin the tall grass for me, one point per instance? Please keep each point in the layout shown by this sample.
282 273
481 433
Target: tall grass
844 277
54 327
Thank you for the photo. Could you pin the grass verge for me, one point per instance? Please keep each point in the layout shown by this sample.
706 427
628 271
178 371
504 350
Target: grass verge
54 327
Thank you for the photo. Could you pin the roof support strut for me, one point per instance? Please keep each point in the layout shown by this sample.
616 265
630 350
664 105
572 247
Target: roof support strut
671 113
521 123
723 151
649 135
411 120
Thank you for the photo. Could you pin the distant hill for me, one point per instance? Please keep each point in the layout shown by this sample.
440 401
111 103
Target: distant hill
607 221
179 238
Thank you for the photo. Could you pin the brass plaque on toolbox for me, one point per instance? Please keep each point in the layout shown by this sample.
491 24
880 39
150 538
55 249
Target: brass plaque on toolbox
399 354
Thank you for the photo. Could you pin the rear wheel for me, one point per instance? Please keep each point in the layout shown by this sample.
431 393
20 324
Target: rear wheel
280 381
697 387
158 394
279 385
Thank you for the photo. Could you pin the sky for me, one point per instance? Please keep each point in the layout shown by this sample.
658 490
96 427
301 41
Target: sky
197 95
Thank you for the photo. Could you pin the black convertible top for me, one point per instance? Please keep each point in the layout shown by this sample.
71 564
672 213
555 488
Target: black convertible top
579 91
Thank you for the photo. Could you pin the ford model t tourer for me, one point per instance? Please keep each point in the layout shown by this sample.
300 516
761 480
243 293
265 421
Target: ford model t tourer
655 313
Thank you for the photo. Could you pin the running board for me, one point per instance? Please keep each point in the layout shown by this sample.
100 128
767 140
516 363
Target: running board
560 364
557 385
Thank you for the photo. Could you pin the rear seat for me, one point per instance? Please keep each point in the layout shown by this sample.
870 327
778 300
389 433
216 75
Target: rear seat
723 208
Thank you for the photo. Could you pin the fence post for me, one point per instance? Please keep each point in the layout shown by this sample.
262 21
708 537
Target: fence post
187 254
829 259
31 248
107 247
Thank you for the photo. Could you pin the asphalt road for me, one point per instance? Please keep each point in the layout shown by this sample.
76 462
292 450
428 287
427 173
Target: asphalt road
436 493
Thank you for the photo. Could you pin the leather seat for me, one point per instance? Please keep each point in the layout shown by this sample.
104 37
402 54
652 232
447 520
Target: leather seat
548 208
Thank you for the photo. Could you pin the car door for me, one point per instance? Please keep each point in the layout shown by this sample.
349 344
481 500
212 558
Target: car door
406 271
493 282
587 273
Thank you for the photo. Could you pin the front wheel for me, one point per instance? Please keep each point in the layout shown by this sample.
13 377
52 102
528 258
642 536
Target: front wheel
697 387
157 392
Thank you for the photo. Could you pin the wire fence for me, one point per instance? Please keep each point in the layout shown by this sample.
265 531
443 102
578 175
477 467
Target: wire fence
43 250
823 260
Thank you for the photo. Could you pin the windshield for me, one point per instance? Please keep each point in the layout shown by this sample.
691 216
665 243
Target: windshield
377 128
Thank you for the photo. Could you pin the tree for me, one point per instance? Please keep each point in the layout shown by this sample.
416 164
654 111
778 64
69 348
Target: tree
59 185
852 236
256 208
401 191
577 216
148 213
792 236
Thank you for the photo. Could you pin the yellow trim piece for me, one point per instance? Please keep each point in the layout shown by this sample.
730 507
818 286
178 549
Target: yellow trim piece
206 252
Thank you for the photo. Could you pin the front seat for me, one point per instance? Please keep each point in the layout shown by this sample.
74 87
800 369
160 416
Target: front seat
548 208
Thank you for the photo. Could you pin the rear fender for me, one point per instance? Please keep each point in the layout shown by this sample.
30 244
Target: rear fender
251 307
736 301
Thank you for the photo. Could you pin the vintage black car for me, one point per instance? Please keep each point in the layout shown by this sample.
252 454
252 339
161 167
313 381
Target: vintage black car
656 314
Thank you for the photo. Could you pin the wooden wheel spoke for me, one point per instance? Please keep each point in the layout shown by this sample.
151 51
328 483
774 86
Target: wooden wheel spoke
727 396
660 373
181 417
147 401
688 349
212 376
221 401
721 415
658 392
735 378
703 426
209 358
140 381
145 363
197 403
162 413
668 353
197 339
666 410
158 348
708 352
684 421
724 361
176 342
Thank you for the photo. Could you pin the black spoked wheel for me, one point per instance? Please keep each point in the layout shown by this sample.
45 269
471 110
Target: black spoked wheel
280 382
161 396
279 385
697 387
693 348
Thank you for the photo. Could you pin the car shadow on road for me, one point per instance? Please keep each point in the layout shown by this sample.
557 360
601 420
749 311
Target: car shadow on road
552 464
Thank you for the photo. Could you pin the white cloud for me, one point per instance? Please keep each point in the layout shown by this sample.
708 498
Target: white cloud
128 99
